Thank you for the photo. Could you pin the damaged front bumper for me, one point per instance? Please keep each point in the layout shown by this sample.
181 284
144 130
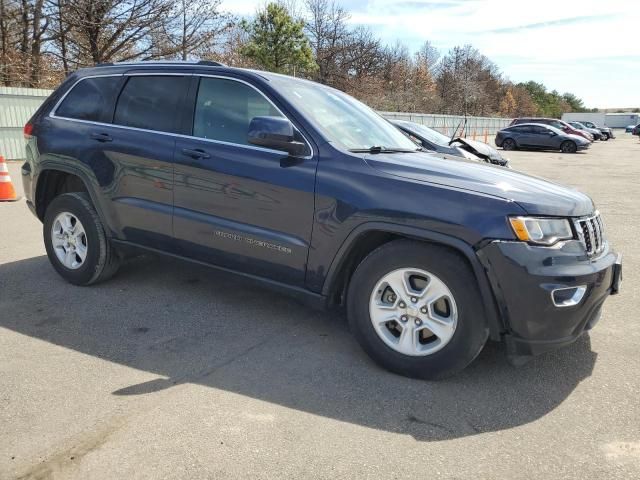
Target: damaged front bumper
548 296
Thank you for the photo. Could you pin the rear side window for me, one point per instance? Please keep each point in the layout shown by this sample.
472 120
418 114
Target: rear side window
224 109
151 102
91 99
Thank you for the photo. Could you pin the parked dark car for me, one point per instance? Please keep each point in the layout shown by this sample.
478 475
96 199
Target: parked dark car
596 134
431 139
607 132
539 137
554 122
303 188
629 128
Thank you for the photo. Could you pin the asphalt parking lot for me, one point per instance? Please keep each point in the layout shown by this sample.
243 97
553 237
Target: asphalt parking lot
176 371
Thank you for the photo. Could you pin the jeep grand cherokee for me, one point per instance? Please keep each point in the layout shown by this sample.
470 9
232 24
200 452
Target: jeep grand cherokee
305 189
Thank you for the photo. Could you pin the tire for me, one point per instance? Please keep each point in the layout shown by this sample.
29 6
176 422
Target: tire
605 137
101 260
470 330
568 146
509 144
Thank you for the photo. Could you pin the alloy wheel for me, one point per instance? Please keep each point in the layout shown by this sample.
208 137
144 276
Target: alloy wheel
413 312
69 240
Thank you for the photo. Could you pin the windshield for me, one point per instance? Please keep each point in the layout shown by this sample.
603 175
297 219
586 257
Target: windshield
342 119
426 132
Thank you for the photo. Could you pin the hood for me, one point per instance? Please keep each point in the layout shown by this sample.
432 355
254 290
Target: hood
482 149
535 195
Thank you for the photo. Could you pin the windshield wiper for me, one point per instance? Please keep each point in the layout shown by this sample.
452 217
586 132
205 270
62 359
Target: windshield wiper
380 149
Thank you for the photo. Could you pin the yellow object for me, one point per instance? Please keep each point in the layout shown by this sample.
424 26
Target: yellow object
520 229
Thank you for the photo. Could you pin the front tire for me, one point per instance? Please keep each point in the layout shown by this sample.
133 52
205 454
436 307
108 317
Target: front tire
416 310
75 240
568 146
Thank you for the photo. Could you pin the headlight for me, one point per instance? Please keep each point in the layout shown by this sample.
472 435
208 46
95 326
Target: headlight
541 231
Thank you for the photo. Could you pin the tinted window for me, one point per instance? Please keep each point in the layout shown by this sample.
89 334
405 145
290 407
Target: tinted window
522 129
91 99
538 130
151 102
224 109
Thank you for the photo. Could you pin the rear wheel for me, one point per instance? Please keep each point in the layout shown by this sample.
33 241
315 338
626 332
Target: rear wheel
605 136
415 309
568 146
509 144
76 242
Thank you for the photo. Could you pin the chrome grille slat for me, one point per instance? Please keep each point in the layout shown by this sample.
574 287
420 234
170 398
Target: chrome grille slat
591 233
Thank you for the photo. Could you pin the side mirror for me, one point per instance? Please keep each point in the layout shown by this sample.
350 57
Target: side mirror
276 133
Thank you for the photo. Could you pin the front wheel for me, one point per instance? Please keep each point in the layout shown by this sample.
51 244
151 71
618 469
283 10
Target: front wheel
568 147
605 137
76 242
416 310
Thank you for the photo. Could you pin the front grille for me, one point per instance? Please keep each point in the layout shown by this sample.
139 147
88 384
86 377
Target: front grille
591 233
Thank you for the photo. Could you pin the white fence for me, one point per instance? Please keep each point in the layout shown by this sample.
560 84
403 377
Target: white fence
16 107
478 128
18 104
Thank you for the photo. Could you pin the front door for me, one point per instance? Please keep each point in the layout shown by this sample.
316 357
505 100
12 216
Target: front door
236 205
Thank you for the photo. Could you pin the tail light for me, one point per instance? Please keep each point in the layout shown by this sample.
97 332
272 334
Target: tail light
27 130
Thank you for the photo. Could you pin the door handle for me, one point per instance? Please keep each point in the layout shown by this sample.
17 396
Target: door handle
195 153
101 137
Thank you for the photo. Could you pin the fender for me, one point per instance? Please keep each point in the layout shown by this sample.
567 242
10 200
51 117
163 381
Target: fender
85 174
489 299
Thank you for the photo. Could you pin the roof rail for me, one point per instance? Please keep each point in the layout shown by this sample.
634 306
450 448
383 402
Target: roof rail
208 63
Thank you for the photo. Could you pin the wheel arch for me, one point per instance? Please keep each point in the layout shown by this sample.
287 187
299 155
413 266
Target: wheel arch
367 237
48 186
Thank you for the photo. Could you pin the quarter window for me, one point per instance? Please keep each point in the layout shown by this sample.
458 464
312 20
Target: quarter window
91 99
224 109
151 102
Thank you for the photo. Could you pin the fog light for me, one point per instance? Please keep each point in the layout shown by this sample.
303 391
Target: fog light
569 296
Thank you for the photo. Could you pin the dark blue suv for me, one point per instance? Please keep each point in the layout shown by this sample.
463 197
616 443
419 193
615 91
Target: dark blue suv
309 191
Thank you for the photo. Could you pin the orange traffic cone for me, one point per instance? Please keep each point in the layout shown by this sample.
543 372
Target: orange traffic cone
7 192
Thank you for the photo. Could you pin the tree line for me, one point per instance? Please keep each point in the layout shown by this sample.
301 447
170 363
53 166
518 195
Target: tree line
42 41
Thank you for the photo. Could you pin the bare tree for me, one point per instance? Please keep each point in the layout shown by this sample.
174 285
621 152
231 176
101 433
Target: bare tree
191 28
109 30
329 37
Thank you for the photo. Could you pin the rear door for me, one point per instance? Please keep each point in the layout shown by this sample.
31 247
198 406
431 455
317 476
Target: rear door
141 148
238 205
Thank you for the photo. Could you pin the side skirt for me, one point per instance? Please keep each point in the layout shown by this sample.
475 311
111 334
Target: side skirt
306 297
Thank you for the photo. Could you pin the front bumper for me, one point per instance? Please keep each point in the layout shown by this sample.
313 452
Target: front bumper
524 278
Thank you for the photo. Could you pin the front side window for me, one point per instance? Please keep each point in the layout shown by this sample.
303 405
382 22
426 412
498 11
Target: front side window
225 108
151 102
91 99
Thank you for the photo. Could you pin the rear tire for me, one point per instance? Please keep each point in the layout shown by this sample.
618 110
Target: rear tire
81 258
568 146
442 302
509 144
605 137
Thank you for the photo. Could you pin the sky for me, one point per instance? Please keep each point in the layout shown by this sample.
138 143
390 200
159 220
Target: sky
590 48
